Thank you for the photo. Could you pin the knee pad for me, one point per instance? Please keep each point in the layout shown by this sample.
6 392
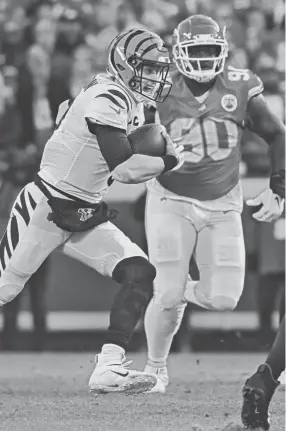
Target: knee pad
225 293
136 275
216 303
134 270
221 289
223 303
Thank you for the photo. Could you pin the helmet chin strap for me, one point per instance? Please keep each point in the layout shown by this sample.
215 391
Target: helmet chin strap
196 77
121 82
203 79
141 98
137 96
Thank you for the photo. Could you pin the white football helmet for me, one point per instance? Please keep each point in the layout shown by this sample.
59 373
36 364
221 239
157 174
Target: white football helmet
200 48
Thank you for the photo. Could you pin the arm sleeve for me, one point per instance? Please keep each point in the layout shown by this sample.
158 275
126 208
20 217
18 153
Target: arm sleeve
113 144
262 121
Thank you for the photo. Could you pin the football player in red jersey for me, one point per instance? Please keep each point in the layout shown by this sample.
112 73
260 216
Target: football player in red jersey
195 209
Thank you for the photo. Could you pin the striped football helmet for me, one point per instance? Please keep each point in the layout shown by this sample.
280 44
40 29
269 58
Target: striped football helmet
200 48
140 59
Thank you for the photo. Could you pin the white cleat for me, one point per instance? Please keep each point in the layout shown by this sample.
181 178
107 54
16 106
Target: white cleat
116 377
282 378
162 379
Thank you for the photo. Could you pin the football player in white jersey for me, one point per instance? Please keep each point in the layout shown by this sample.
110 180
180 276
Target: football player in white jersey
63 209
207 111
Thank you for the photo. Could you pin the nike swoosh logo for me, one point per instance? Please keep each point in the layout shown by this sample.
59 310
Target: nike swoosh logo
117 110
120 374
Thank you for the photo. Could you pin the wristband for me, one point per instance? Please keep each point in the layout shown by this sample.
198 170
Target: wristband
277 183
170 162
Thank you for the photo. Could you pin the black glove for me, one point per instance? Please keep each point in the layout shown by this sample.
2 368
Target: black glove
277 183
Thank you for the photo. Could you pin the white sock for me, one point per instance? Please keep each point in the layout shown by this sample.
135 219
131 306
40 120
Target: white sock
161 326
112 352
190 293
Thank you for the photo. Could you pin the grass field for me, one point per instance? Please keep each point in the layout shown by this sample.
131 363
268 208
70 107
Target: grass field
48 392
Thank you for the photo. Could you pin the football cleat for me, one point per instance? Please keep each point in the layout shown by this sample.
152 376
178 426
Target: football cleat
257 393
115 376
162 379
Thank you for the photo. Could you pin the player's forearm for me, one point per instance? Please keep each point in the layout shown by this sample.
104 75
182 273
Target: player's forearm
277 151
138 169
263 122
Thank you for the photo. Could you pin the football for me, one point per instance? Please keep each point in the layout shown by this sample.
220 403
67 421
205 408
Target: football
148 140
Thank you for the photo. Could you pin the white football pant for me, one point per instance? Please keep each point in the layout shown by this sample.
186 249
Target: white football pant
30 238
175 231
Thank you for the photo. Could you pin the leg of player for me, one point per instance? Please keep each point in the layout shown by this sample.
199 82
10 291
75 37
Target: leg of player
116 256
268 286
170 250
260 387
136 275
28 240
220 257
38 284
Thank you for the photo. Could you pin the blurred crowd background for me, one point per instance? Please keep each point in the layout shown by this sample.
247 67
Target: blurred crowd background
49 49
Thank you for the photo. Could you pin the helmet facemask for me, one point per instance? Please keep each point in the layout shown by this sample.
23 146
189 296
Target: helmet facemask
202 58
150 78
140 60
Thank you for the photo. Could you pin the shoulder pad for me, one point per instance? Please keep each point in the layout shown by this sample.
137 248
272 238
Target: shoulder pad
120 95
110 106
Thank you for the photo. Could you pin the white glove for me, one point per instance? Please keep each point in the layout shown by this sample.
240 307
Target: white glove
173 149
181 156
272 206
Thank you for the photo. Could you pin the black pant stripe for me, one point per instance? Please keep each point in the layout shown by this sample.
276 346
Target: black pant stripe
32 202
23 209
4 246
14 230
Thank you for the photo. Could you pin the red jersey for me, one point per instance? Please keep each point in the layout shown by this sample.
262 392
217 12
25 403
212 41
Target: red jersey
210 132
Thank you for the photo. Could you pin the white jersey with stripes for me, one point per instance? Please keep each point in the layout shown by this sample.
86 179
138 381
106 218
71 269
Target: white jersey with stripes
72 160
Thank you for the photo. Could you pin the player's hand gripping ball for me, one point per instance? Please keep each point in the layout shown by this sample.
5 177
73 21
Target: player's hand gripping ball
153 140
148 140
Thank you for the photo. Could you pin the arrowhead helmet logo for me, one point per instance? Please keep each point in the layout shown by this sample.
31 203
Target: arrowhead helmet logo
229 102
